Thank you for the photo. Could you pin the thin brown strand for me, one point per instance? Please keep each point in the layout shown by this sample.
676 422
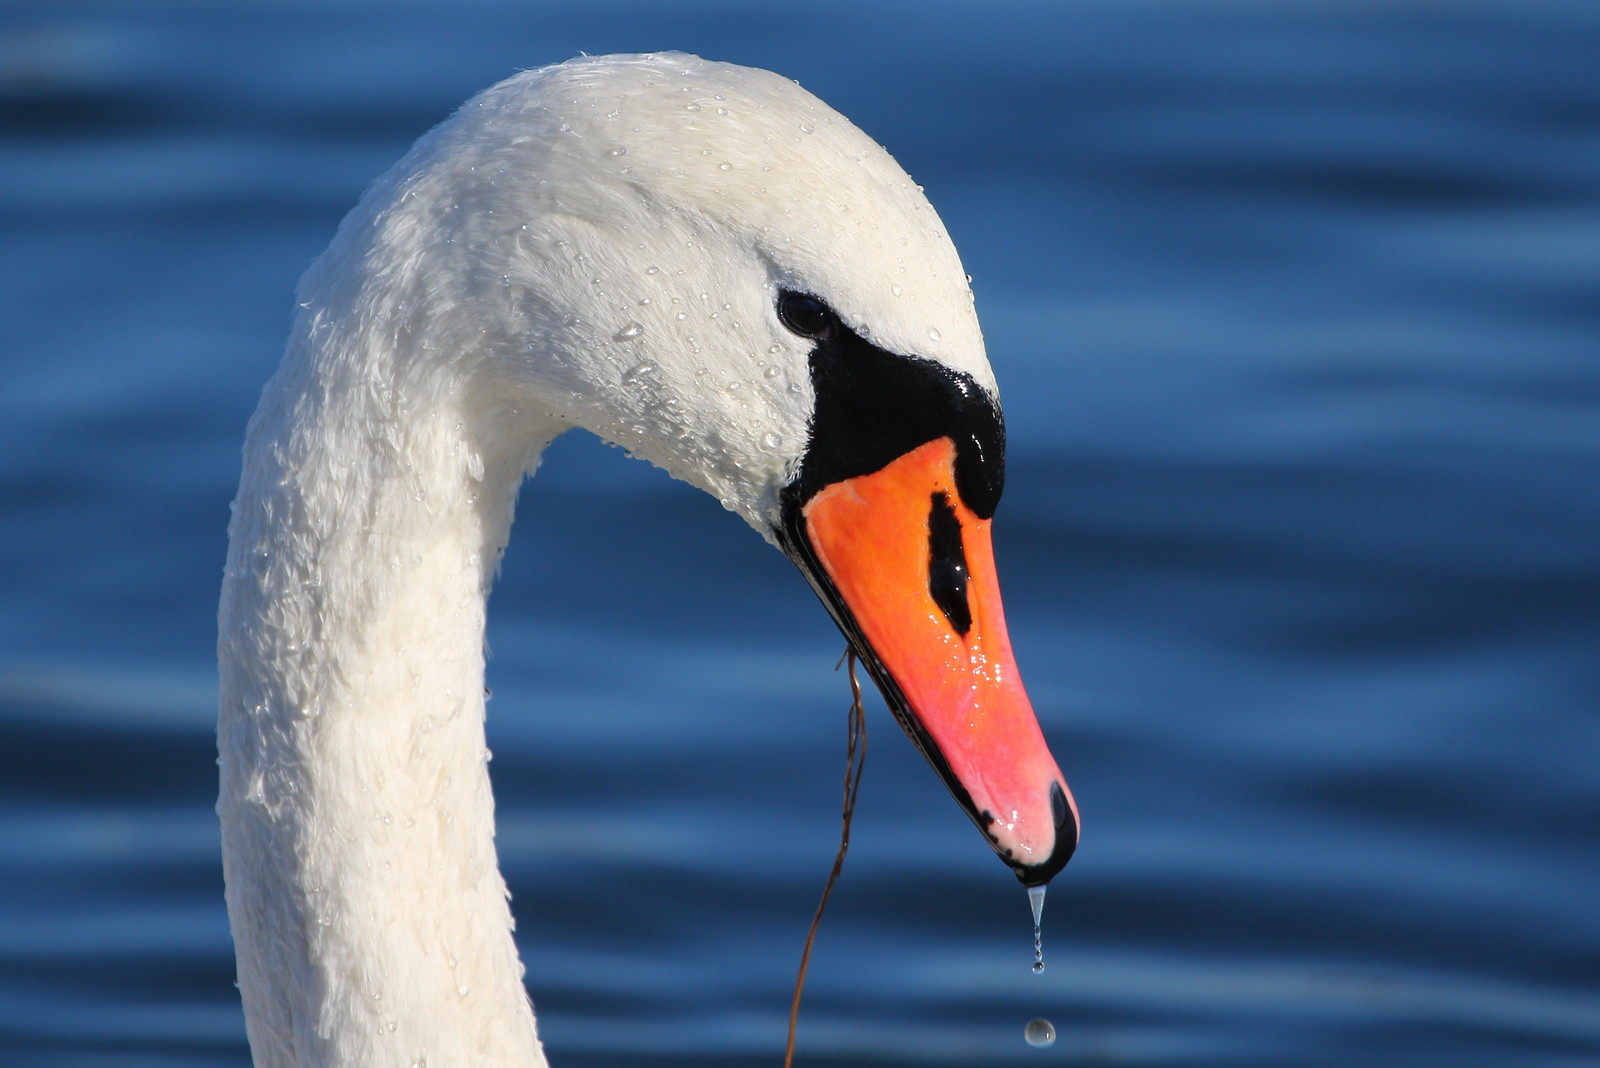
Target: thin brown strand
855 760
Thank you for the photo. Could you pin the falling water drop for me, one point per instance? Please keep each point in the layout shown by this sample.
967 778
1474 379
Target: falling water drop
1039 1033
1036 902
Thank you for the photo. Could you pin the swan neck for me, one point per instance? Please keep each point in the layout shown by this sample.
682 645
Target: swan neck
367 906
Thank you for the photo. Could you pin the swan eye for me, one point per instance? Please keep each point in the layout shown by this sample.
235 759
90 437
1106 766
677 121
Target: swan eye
806 315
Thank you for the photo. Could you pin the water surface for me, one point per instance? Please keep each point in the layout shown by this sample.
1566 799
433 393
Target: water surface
1296 311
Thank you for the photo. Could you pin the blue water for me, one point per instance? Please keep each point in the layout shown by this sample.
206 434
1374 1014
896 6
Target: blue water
1296 311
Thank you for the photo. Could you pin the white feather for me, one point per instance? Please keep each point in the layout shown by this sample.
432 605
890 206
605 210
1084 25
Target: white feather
598 244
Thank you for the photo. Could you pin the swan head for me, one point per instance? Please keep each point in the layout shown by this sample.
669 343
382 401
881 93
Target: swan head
706 265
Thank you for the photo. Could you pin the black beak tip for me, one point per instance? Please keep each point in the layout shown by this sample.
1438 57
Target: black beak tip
1066 842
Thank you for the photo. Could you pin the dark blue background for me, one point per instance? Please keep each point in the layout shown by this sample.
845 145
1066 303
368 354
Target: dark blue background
1296 311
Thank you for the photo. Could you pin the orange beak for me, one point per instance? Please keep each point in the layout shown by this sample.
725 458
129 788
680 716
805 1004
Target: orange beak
908 571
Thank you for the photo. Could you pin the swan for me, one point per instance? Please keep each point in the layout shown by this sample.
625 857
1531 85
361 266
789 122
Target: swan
701 263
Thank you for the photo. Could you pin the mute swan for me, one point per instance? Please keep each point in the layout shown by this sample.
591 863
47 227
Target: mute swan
703 264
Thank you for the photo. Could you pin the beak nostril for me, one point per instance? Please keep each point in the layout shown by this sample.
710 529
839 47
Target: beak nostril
947 564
